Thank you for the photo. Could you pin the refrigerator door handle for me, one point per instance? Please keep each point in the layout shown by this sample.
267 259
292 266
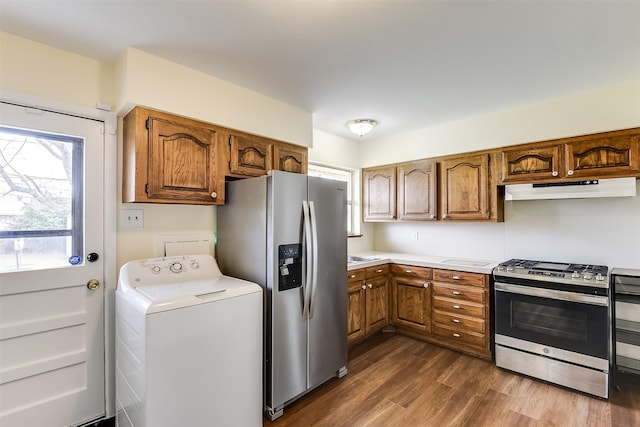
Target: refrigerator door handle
307 248
314 237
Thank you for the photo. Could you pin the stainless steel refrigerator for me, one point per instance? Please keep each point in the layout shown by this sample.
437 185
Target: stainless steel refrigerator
288 233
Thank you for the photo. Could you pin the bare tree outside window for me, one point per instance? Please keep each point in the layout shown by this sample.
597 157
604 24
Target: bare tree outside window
37 206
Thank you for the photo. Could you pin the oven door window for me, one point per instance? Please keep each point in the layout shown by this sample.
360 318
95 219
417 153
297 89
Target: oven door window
571 326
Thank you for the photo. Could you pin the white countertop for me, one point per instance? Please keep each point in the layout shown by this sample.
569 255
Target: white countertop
448 263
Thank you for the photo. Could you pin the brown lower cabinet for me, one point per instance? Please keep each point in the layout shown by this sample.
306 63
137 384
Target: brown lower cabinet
445 307
368 306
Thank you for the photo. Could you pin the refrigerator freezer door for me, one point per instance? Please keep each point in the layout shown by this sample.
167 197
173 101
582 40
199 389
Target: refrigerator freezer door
328 325
286 346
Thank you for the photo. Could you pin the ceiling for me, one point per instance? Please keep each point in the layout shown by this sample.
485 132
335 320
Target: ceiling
407 64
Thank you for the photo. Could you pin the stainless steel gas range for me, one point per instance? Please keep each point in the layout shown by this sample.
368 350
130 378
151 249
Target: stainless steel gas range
552 322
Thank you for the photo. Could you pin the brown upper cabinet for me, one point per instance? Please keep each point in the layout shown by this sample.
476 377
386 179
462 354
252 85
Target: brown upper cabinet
249 156
417 191
604 155
290 158
406 191
379 193
170 159
464 188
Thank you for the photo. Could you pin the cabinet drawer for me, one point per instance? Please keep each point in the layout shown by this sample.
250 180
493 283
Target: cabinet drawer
462 277
355 275
411 271
469 338
460 307
459 292
377 271
462 323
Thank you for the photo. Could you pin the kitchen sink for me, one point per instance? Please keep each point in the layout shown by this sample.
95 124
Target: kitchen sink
357 259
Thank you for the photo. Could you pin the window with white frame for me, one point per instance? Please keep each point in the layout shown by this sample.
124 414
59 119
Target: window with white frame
345 175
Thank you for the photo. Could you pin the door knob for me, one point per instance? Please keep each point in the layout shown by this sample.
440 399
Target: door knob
93 257
93 284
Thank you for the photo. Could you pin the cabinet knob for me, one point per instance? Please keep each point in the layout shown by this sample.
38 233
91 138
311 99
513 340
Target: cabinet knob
456 335
570 173
444 216
214 195
457 307
378 271
370 285
431 216
554 173
408 271
353 276
455 320
364 287
426 284
93 284
456 293
456 277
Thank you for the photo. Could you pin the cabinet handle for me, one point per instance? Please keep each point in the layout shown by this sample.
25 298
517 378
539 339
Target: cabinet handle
456 277
455 320
456 335
370 285
570 173
364 287
456 293
353 276
408 271
457 307
426 284
214 195
554 173
378 271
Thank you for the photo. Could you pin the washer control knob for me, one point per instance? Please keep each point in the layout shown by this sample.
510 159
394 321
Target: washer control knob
176 267
195 265
156 269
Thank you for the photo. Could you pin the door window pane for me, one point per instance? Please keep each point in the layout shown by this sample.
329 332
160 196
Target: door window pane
40 199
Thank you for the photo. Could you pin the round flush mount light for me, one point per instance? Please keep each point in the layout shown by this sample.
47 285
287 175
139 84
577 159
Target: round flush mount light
361 126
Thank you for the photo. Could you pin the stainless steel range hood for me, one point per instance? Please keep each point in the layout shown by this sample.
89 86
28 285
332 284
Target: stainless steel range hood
586 189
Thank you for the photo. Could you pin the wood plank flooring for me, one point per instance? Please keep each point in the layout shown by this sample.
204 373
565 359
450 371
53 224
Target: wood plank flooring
395 381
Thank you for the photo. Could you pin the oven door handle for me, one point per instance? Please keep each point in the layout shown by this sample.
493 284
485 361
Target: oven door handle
553 294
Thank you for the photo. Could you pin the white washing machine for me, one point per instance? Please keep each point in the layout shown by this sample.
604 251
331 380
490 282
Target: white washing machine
188 345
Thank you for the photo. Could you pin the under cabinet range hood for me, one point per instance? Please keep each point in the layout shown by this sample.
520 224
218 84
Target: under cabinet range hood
586 189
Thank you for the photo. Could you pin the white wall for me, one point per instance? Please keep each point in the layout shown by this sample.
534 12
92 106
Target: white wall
602 231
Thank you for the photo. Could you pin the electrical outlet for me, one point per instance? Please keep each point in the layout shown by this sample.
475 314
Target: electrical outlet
414 235
132 218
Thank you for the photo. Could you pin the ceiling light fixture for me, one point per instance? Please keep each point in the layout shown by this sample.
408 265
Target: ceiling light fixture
361 126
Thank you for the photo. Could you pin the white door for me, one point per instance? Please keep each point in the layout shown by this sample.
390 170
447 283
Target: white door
51 232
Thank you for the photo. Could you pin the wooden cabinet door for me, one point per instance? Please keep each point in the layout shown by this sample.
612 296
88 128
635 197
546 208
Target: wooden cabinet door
356 311
465 188
417 191
377 311
290 159
411 303
603 157
379 193
249 156
182 161
531 164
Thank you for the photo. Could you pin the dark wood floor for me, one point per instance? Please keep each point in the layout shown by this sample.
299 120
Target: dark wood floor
397 381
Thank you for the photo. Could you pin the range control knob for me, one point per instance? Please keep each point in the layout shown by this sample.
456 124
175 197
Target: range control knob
599 277
155 269
176 267
509 268
501 268
588 276
575 275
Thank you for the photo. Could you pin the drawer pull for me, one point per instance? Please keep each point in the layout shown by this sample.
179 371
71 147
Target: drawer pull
379 271
353 276
408 271
456 335
456 293
457 307
456 277
456 320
